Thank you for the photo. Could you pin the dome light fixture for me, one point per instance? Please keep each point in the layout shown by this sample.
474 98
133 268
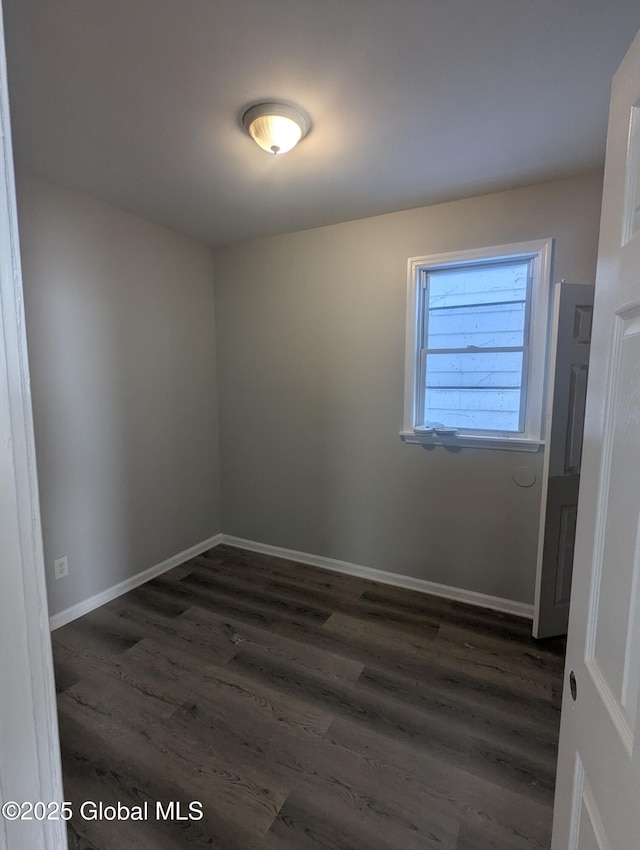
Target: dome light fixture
276 127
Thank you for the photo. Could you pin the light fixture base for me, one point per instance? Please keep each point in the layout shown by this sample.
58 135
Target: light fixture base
262 120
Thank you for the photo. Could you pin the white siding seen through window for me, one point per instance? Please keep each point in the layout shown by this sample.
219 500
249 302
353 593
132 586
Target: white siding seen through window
474 345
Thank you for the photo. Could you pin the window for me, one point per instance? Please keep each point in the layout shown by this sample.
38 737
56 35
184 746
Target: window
476 346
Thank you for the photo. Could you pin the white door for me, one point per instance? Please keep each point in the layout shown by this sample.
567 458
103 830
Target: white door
598 786
571 327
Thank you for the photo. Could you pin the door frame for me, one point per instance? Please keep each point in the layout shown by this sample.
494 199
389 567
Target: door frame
28 701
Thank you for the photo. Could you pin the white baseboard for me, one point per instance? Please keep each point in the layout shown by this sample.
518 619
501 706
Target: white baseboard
457 594
75 611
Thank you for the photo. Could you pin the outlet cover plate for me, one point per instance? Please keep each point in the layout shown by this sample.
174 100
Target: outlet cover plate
61 567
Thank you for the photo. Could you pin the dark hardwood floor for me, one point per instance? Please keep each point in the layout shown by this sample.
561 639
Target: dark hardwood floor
305 710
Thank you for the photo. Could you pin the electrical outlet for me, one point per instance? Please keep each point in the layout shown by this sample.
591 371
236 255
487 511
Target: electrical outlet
61 567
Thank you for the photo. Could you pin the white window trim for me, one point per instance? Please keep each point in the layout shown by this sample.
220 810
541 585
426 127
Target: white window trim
532 438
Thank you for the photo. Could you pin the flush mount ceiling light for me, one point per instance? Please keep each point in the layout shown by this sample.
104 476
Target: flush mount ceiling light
276 127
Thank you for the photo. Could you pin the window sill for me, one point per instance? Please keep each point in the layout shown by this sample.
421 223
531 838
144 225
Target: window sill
465 441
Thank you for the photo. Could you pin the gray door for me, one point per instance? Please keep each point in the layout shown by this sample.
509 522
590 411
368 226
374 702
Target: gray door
571 340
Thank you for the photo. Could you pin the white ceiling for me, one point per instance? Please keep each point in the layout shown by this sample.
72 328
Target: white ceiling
138 102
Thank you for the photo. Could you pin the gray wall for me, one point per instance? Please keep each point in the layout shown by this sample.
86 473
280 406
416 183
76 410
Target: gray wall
120 328
310 331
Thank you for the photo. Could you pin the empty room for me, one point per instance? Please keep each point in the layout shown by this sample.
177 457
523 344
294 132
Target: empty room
320 407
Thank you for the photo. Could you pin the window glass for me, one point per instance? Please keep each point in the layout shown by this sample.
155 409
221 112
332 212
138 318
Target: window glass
474 342
475 390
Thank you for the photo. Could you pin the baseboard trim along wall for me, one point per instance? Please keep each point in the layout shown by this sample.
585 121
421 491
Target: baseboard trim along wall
457 594
75 611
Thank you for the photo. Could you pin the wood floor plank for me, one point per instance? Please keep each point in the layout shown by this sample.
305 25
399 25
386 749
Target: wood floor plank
98 766
492 836
357 648
211 642
88 635
347 782
245 635
468 688
523 732
486 756
443 785
252 610
293 572
177 573
391 639
122 698
489 665
304 824
198 767
289 586
222 586
508 627
534 656
304 758
187 679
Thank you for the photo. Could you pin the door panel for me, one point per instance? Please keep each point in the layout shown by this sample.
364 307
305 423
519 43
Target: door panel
566 398
575 425
588 832
567 512
610 625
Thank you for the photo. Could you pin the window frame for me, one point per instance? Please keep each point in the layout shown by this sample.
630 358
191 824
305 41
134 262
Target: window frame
539 252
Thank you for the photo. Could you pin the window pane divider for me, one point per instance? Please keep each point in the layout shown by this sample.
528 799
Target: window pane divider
488 388
477 305
476 349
